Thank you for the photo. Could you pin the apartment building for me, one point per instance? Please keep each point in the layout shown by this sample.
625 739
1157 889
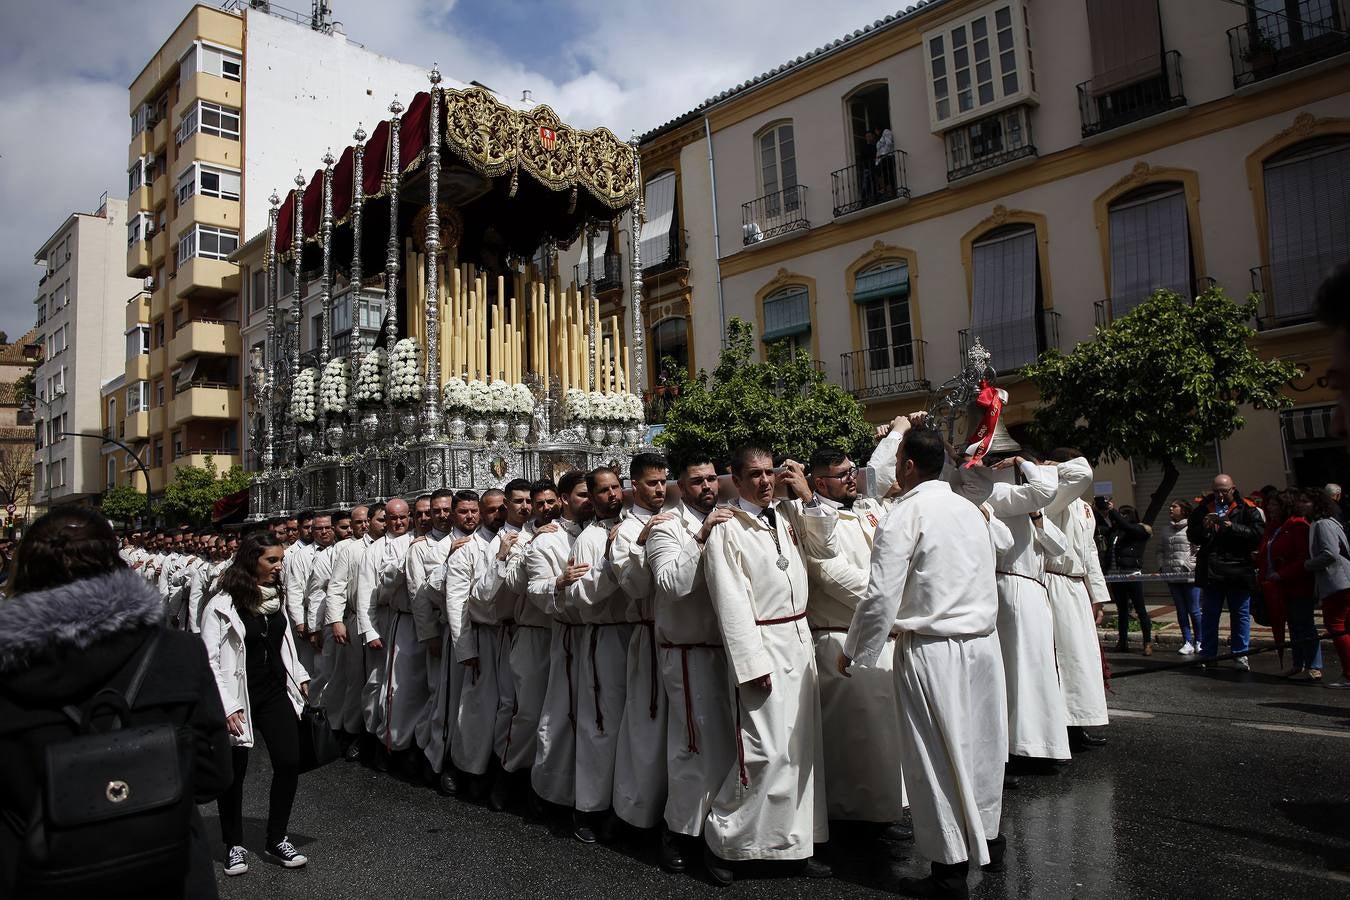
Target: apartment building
1021 172
79 322
234 103
17 434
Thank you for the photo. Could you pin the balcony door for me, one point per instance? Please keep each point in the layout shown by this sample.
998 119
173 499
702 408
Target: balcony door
778 168
1006 306
1150 246
1289 24
881 294
1308 222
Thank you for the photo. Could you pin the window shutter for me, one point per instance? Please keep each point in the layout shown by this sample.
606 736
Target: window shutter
1150 249
1003 304
1307 208
887 280
787 313
660 209
1126 41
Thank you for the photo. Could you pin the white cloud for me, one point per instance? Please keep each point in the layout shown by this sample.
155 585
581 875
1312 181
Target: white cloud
66 65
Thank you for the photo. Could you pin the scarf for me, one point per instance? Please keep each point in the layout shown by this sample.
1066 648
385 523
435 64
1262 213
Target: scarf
271 602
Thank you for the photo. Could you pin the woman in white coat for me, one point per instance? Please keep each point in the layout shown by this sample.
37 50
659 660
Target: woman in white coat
262 688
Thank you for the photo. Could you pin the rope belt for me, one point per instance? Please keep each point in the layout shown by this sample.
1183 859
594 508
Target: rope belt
389 683
684 649
567 658
783 620
830 629
650 625
1066 575
1018 575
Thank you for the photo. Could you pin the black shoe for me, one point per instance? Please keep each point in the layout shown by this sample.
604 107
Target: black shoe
353 753
718 869
477 788
582 829
1081 739
381 761
672 854
499 798
448 784
817 867
997 846
899 833
945 881
1011 783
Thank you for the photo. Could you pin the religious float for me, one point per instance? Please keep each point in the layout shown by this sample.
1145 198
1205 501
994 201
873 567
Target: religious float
478 363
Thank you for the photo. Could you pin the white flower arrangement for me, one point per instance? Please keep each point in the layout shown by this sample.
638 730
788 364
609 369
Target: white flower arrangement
302 396
603 407
479 395
501 399
455 396
404 372
522 400
632 410
370 378
576 405
334 387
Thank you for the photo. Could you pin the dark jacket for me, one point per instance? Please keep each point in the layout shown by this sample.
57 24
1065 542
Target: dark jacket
1127 542
63 645
1224 555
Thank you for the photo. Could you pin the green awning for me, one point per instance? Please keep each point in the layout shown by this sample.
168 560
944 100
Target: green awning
775 334
888 282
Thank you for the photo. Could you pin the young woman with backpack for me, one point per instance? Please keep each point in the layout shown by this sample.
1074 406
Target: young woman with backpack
262 686
126 713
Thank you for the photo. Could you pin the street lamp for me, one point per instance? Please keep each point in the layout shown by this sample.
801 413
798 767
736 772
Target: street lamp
140 464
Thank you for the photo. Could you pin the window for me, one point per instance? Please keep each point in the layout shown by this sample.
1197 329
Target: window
1308 223
258 290
137 176
56 341
138 228
159 335
787 315
138 341
882 296
1150 246
158 454
660 233
1005 307
60 296
112 472
141 119
209 118
208 242
212 60
177 444
138 397
159 393
669 341
974 65
778 161
991 141
209 181
316 331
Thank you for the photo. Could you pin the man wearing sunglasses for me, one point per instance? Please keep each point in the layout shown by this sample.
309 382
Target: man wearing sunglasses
1226 530
859 715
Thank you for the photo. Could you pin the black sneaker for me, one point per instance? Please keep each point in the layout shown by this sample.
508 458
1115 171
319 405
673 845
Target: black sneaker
236 861
284 852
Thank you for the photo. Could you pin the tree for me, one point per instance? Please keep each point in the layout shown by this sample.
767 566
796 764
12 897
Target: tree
16 472
784 403
195 489
123 503
1162 383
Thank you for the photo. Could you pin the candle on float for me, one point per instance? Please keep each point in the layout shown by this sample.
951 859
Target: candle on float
627 368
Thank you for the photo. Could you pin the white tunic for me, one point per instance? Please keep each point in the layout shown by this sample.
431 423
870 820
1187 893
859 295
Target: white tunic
640 761
476 636
554 774
347 668
860 719
768 806
1074 582
425 570
700 738
316 599
1036 719
932 579
397 688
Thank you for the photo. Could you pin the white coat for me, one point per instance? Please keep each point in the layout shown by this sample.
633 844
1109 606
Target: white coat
223 635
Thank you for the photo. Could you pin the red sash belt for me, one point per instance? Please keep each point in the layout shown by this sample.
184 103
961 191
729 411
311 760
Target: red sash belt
651 647
684 649
567 658
389 684
1017 575
783 620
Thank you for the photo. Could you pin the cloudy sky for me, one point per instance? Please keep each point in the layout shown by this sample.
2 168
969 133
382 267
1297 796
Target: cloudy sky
65 66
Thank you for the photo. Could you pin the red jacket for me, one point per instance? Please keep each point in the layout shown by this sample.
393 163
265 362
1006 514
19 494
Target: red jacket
1284 550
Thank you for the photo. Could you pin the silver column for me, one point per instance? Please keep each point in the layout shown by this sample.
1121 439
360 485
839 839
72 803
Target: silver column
637 378
358 206
270 345
296 315
431 417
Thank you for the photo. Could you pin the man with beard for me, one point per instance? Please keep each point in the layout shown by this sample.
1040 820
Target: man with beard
316 598
551 571
422 516
504 584
397 687
344 645
860 720
699 747
768 807
640 760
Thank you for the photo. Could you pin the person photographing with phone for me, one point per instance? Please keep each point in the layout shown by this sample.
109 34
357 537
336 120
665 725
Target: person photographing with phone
1226 530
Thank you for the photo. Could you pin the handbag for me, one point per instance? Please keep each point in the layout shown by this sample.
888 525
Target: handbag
318 744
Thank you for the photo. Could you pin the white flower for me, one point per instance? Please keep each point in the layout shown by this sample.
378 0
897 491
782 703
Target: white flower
576 405
370 378
334 385
524 400
632 408
404 369
501 399
455 396
302 396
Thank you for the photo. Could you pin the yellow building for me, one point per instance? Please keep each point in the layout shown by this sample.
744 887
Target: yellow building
1022 172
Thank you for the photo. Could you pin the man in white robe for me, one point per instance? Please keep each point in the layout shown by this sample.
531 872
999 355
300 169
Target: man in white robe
639 796
700 736
1017 491
551 570
295 566
452 519
344 643
316 600
932 580
768 807
397 687
1077 589
860 719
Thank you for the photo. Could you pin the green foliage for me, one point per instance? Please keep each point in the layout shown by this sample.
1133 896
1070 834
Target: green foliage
783 403
195 489
123 503
1162 384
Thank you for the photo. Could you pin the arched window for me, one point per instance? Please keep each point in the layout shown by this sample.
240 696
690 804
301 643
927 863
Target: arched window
1150 245
777 158
1006 309
787 317
881 294
669 342
1308 221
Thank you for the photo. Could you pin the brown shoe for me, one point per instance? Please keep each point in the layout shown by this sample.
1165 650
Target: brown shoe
1148 649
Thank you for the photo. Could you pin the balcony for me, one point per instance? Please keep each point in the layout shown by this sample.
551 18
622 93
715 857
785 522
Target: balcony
1015 343
138 310
138 258
205 86
206 337
223 458
1287 292
143 425
857 187
140 146
1107 311
159 190
988 143
207 400
156 478
884 371
209 148
138 367
1273 43
207 211
139 200
201 275
774 215
157 362
159 136
159 301
159 248
1125 100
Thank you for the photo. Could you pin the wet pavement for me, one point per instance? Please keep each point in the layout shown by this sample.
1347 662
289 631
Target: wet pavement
1214 784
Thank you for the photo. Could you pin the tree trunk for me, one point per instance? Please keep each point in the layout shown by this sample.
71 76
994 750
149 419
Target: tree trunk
1164 491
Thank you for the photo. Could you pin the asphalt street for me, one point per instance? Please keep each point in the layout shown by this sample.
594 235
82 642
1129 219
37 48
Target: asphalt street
1216 783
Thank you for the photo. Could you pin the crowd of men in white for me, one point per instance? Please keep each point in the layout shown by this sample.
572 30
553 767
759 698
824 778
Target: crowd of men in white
748 663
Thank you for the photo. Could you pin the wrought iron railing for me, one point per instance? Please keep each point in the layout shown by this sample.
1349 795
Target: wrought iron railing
884 371
180 452
779 213
1102 110
860 186
1272 43
1291 302
1016 342
1108 310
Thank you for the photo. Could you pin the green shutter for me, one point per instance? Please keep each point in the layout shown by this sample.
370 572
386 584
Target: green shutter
891 281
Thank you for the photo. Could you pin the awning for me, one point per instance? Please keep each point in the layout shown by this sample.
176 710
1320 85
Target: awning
660 207
775 334
890 281
786 313
1303 425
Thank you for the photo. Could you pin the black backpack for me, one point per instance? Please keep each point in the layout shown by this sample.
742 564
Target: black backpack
113 807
